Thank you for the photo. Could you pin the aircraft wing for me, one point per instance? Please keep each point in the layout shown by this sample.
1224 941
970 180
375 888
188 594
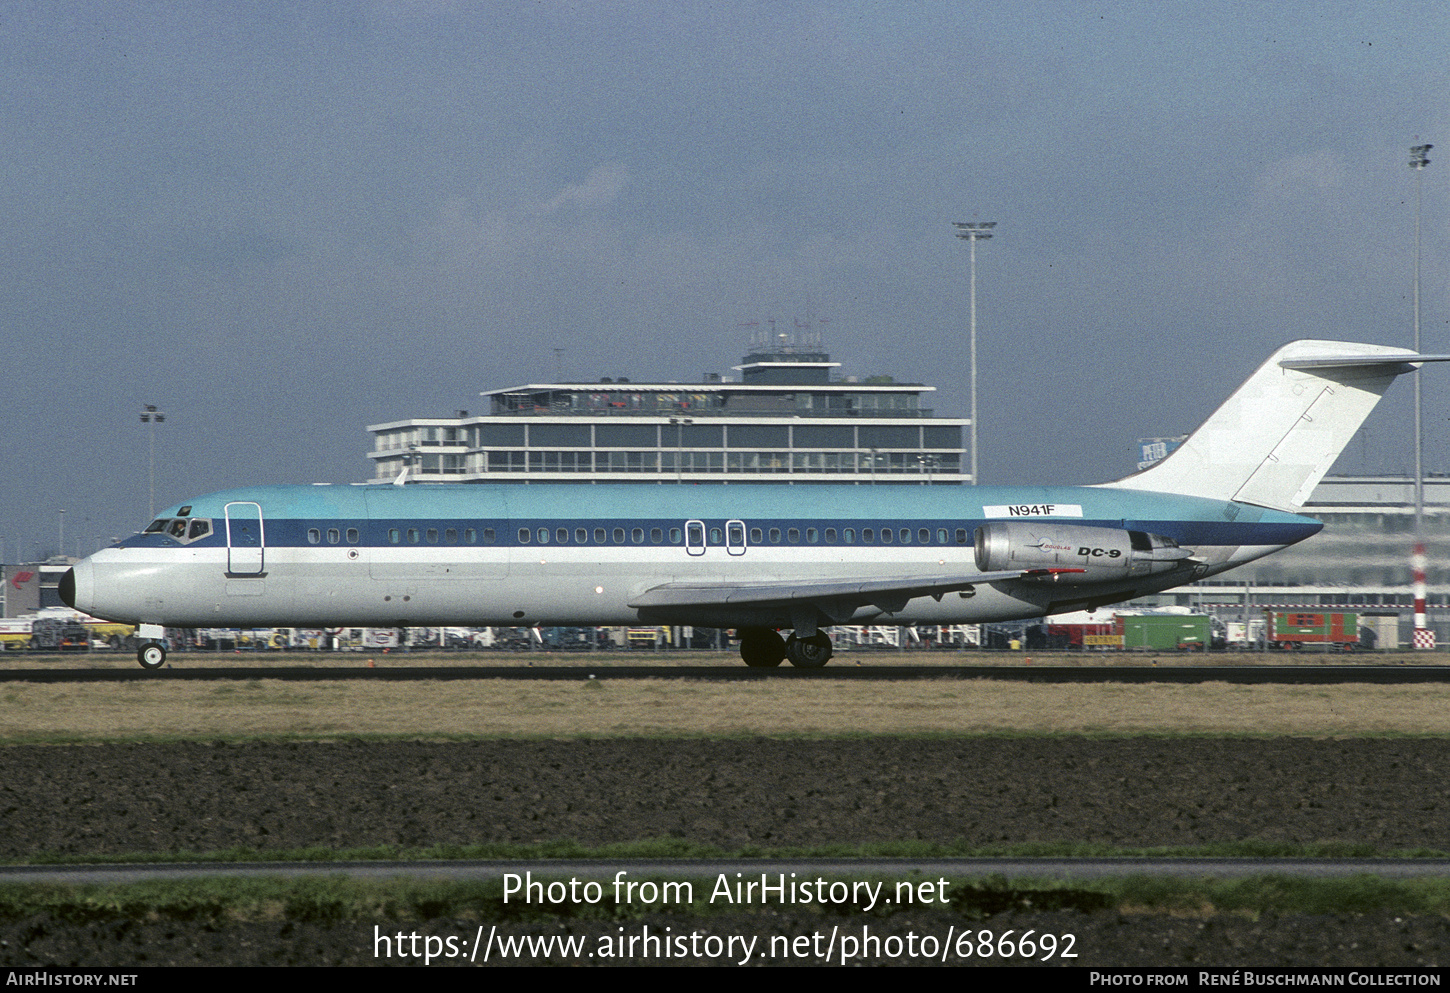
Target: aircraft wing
837 599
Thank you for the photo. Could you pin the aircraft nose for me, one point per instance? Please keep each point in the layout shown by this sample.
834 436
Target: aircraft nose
78 586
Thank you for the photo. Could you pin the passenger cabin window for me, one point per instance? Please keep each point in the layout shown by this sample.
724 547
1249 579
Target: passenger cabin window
352 536
581 535
314 536
524 535
333 536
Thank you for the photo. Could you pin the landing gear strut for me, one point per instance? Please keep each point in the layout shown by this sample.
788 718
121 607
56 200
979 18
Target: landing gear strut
151 655
808 653
761 648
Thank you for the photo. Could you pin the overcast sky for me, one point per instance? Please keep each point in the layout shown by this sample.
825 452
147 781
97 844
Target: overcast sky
283 222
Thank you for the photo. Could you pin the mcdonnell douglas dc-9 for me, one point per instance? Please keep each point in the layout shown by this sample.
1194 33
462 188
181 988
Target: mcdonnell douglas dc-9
756 558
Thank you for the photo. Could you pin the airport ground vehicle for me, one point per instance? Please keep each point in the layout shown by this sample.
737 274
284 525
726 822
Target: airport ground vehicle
1299 629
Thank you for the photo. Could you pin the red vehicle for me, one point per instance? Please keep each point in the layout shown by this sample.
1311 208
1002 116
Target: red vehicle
1074 637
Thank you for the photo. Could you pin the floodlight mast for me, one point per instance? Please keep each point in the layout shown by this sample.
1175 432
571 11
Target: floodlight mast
973 232
1424 637
152 415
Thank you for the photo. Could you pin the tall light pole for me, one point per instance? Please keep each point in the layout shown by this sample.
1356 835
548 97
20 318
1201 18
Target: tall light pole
973 232
152 415
1423 637
679 423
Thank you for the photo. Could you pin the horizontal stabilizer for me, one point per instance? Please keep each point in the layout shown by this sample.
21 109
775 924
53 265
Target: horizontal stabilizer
1410 361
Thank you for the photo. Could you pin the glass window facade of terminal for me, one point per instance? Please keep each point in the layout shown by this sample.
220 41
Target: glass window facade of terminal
786 420
886 452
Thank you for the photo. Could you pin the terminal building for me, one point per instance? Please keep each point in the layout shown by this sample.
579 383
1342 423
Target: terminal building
787 420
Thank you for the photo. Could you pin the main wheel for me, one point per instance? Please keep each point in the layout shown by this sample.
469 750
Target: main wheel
809 653
152 655
761 648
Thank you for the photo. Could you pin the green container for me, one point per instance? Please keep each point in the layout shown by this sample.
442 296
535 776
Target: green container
1165 632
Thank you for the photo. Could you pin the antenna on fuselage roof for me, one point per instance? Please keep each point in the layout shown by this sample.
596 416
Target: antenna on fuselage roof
402 477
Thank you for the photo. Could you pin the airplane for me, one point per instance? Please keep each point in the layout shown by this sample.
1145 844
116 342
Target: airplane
758 558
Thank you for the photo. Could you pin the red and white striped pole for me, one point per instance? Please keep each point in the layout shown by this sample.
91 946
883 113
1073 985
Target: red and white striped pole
1424 635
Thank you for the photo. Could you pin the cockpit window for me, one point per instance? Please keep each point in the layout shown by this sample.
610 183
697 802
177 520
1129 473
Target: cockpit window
181 528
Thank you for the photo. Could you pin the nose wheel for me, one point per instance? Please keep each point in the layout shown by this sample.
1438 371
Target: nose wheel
151 655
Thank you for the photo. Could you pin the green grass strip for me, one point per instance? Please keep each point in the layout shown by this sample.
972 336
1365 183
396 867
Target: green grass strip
336 899
676 848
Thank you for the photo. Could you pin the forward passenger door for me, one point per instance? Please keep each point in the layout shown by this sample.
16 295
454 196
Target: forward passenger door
246 540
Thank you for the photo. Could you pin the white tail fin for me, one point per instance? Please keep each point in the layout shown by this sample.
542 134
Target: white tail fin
1275 438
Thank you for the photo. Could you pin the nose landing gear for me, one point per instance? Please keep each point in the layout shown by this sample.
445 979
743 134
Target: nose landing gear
151 655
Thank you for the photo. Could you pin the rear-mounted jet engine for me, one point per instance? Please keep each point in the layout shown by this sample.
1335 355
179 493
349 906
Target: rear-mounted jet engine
1090 554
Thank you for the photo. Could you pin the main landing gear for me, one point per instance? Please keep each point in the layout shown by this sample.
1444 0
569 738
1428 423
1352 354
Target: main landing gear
151 655
762 648
808 653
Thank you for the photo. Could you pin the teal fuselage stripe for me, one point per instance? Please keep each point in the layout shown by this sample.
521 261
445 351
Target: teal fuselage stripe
290 512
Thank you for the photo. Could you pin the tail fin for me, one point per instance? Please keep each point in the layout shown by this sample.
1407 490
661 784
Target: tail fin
1275 438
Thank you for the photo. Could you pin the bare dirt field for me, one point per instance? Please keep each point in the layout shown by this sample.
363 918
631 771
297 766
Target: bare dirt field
1138 791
